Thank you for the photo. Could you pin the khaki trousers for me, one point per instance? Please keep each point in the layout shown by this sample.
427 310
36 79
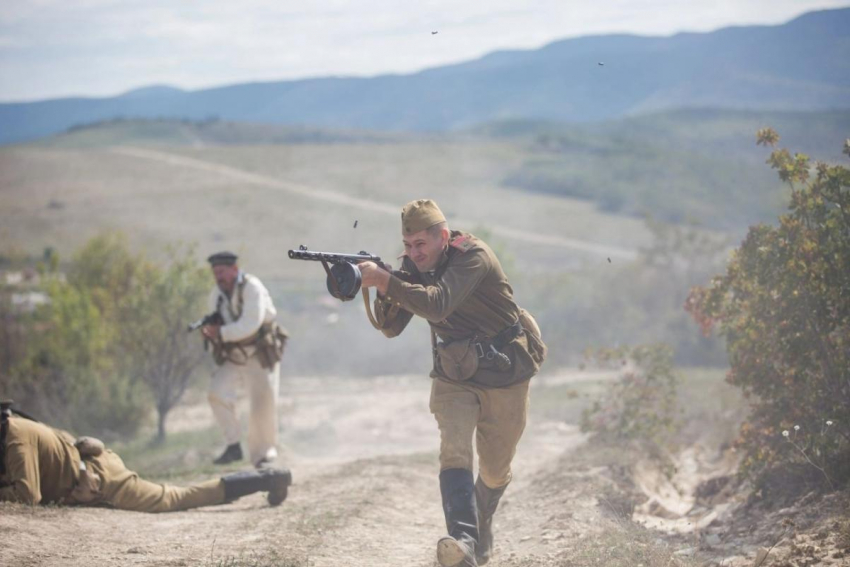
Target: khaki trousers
497 416
123 489
262 388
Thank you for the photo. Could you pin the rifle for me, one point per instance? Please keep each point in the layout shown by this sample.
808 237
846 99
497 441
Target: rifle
213 318
344 277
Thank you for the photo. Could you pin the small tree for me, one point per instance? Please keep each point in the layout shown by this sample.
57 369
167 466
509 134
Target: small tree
111 333
158 350
784 307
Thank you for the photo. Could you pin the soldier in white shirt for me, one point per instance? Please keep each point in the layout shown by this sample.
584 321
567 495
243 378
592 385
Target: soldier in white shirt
248 316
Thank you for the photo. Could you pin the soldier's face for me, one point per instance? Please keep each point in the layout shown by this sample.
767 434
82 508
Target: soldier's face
426 249
225 277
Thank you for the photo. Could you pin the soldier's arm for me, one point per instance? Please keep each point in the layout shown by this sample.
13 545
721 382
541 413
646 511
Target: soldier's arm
22 474
436 302
391 318
250 320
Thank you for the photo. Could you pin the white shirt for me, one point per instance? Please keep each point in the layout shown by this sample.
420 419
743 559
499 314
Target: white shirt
257 308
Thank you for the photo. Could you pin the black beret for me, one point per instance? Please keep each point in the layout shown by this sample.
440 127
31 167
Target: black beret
222 259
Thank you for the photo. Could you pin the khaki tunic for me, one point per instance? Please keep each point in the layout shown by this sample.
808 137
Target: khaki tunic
466 296
42 466
42 463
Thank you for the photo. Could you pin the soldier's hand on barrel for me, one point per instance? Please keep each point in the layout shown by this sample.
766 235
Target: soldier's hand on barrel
374 276
211 331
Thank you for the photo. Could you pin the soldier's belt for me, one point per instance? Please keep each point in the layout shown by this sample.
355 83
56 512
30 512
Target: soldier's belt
490 349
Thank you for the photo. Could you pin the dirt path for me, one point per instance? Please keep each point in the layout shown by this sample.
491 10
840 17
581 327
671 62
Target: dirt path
360 203
363 453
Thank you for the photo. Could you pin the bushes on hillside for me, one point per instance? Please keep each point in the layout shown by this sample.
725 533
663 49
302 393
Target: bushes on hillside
641 404
783 306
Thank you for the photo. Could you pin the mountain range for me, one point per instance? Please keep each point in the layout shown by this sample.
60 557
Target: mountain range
800 65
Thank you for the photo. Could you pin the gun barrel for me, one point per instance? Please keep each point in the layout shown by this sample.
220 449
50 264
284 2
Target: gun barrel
195 326
333 257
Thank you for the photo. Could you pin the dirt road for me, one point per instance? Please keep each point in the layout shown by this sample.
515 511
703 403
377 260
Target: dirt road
363 454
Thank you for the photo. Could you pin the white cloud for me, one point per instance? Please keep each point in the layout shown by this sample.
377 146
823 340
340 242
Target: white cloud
52 48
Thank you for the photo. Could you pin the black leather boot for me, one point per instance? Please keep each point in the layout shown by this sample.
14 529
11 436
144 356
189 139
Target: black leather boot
231 454
274 481
488 500
458 547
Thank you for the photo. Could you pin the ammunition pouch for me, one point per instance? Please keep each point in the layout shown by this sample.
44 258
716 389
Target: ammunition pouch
271 342
457 360
268 343
460 359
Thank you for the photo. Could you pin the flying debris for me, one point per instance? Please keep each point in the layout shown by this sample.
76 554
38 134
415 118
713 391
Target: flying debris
355 224
434 33
609 259
601 64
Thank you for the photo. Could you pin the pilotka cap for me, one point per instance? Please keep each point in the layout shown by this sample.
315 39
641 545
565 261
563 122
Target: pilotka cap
419 215
222 259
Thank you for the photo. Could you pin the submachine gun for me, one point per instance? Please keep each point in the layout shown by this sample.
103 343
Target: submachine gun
344 278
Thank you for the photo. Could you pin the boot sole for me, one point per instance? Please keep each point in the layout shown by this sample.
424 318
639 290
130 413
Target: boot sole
450 553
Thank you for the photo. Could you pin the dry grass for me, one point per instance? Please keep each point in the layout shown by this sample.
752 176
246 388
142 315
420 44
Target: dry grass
627 545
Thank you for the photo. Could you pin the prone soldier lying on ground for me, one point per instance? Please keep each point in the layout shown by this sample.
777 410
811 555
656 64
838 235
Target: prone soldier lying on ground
39 464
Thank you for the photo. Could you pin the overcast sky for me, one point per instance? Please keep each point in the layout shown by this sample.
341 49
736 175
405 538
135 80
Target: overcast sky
51 48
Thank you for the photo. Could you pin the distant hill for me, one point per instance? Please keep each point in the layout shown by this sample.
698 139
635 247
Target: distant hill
699 165
209 132
801 65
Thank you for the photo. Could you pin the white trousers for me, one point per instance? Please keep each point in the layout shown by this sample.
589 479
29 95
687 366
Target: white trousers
262 388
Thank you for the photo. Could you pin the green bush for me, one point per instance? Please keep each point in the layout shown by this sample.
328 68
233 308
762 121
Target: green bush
641 404
783 306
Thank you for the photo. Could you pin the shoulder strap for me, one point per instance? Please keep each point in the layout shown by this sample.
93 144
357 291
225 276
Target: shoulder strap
237 312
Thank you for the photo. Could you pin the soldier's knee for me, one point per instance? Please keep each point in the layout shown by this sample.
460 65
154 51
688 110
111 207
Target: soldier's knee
494 477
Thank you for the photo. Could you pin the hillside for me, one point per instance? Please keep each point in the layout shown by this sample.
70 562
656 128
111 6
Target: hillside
697 166
801 65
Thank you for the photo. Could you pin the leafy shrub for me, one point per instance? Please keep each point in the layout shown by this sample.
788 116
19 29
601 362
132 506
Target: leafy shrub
641 403
783 306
